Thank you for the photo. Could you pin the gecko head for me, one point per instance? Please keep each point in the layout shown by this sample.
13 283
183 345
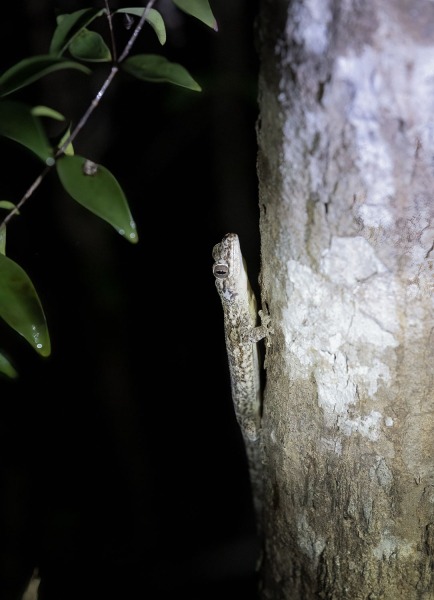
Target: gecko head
228 268
227 256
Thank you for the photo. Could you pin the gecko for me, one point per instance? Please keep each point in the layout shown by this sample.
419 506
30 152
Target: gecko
241 335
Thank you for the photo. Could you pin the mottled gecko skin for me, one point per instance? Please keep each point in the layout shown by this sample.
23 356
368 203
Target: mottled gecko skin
241 334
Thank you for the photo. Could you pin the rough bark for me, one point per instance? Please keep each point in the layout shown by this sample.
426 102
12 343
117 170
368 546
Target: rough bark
346 140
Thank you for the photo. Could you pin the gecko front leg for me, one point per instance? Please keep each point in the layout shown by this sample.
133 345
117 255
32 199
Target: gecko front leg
242 334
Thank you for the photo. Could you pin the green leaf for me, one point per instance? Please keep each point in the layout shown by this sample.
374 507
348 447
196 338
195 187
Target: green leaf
3 240
46 111
70 25
18 123
153 17
20 306
89 45
6 368
30 69
156 68
95 188
6 204
69 150
199 9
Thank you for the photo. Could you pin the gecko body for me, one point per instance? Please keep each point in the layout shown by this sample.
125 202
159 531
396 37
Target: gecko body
242 334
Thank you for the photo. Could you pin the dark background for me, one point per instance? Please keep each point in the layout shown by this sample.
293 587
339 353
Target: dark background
122 469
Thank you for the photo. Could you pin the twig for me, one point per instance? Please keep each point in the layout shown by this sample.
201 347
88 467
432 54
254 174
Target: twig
137 30
26 196
110 24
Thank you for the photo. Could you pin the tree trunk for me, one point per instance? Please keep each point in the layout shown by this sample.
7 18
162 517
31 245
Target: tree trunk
346 146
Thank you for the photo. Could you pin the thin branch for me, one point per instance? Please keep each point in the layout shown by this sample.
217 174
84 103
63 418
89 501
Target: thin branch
137 30
112 36
26 196
82 122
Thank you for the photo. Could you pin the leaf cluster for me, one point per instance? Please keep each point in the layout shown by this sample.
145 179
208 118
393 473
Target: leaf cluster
74 45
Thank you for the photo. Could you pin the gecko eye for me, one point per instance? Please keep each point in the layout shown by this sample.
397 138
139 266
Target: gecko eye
220 270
